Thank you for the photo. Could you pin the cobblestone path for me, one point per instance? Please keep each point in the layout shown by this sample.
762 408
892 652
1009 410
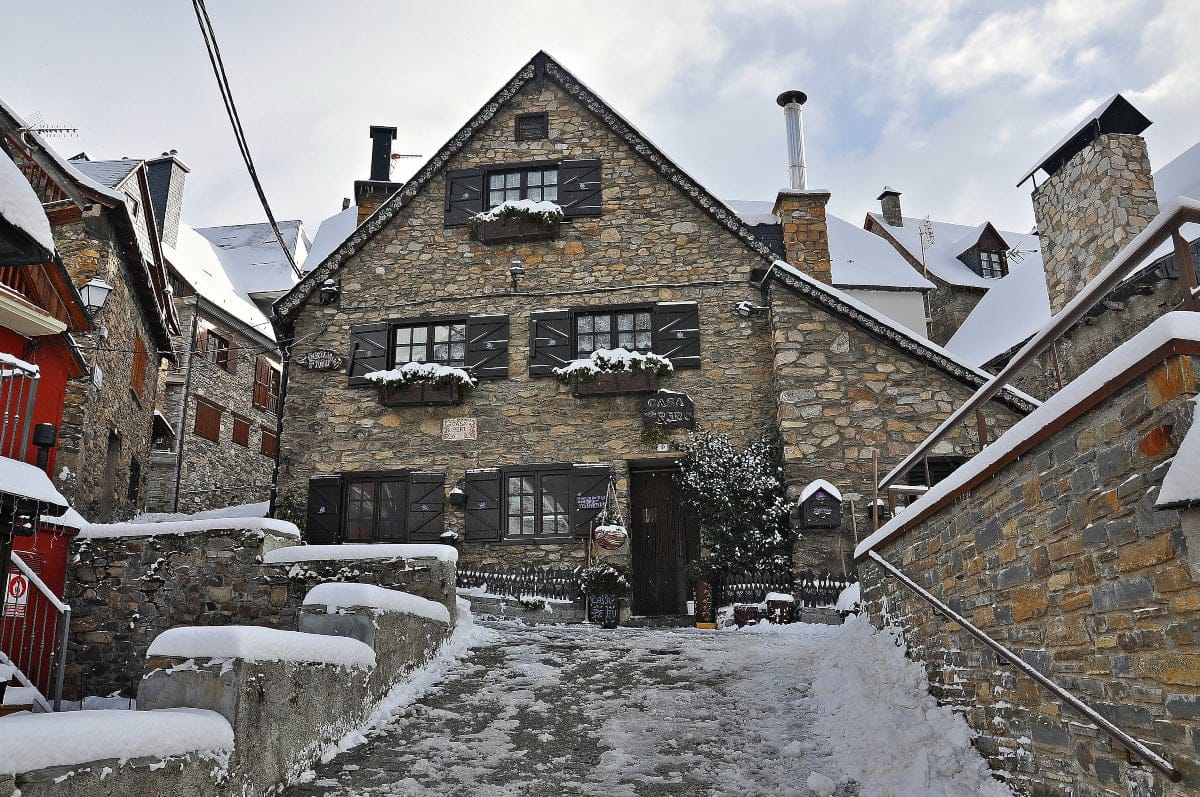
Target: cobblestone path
545 712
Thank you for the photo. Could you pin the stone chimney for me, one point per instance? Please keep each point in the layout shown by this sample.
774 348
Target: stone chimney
370 194
166 175
801 211
1098 195
889 201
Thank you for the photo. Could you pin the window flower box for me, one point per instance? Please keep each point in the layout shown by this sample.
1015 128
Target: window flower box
609 372
516 220
615 384
415 394
415 384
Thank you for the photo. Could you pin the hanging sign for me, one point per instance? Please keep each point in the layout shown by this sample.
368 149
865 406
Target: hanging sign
669 409
16 595
589 502
610 538
320 360
460 429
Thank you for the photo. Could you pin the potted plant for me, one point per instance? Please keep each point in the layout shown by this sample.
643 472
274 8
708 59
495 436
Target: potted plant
615 371
605 583
421 383
702 575
516 220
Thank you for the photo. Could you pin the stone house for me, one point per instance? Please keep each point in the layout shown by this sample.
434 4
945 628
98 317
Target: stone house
106 234
522 466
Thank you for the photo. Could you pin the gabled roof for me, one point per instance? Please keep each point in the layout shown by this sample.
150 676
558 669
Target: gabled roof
108 173
1114 115
973 236
1013 309
332 233
199 262
251 256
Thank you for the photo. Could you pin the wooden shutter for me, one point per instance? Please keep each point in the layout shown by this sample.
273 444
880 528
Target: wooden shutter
549 341
426 499
231 361
262 382
208 420
269 442
201 344
464 196
241 430
579 187
368 351
483 506
677 333
487 346
324 510
589 487
137 379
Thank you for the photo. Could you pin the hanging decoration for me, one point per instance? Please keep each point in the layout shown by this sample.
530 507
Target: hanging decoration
610 533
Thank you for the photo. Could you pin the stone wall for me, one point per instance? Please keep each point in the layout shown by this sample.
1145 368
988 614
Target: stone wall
1062 557
124 591
1090 208
949 306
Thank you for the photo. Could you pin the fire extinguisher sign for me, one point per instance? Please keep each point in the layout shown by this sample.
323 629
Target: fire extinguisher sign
16 595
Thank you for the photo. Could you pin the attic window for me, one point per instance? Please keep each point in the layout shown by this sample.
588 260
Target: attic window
133 204
992 264
532 126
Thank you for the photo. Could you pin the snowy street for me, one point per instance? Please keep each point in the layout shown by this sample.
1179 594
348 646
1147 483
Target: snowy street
548 711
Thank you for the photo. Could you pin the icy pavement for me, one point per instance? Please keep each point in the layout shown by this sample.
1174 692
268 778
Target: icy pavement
550 711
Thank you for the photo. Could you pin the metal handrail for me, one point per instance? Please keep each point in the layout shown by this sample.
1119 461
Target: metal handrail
1165 227
64 625
1134 746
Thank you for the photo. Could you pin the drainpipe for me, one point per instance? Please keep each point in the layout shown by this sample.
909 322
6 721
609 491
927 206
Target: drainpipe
187 390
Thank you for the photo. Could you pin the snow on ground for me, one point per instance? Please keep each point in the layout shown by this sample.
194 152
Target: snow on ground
255 643
338 595
258 509
777 710
111 530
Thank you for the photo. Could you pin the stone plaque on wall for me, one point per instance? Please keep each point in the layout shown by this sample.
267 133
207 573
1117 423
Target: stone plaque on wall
460 429
320 360
669 409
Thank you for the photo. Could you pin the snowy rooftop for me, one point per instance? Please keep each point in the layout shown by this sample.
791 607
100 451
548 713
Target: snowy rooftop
1172 326
332 233
20 206
108 173
252 258
27 481
199 262
858 258
1015 307
1115 113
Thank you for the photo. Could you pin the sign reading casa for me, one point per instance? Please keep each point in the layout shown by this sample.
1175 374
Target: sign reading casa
669 409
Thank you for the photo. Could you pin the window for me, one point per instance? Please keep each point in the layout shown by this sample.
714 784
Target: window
431 343
267 378
939 468
241 431
538 503
375 509
532 126
627 329
133 205
539 183
137 380
216 349
382 506
208 420
269 443
991 264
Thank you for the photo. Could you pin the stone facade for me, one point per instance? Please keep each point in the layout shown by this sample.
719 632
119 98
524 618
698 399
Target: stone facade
949 305
805 231
1090 208
1061 556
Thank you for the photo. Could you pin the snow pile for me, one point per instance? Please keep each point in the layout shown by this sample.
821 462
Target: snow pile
779 597
97 531
255 643
614 361
543 211
1180 487
23 479
422 374
849 598
335 595
37 741
258 509
337 553
67 520
20 206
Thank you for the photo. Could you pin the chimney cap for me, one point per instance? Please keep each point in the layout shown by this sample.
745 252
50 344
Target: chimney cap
384 129
887 191
788 97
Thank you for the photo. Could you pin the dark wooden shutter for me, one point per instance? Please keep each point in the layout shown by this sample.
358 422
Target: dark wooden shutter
677 333
262 382
231 361
368 351
487 346
588 483
201 344
464 196
426 497
579 187
483 507
549 341
324 510
208 420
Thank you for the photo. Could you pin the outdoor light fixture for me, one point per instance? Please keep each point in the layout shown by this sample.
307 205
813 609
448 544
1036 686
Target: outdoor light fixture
331 292
515 271
457 497
95 294
45 437
746 309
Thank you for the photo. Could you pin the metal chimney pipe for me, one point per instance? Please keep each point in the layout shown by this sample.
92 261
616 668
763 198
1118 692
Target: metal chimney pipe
381 152
790 102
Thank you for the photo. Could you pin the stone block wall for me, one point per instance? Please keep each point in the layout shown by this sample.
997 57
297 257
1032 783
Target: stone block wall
949 306
1062 557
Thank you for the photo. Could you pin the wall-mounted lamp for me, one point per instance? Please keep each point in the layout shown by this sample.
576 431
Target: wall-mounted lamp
331 292
95 294
457 497
515 271
746 309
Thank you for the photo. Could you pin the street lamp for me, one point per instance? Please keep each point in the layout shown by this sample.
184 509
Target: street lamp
95 294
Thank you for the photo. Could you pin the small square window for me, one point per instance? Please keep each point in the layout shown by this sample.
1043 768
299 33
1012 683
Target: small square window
532 126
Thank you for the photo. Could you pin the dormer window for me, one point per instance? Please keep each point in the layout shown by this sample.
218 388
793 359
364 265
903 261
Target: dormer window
992 264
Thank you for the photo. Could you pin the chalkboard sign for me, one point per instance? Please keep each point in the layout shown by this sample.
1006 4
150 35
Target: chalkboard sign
604 610
590 501
669 409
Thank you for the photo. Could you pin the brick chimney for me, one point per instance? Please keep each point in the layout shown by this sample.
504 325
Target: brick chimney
889 201
166 175
801 211
1098 195
370 194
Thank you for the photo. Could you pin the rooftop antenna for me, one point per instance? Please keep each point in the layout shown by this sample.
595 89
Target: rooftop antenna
36 124
927 239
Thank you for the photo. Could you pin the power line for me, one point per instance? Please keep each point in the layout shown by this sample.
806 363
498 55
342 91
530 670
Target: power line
218 65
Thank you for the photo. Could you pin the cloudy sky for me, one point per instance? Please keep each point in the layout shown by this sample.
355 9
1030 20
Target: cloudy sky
948 101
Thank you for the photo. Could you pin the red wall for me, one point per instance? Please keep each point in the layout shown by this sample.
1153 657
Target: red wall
51 355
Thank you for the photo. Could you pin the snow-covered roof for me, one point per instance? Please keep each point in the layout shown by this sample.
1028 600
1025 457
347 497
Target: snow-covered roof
332 233
819 484
336 595
1180 486
20 206
1179 177
26 481
250 253
108 173
199 262
1115 113
256 643
1013 309
1178 325
857 258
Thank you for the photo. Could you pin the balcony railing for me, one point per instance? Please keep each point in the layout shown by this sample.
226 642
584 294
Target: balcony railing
18 392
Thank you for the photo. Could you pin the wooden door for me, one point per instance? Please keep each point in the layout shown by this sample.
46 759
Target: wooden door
665 536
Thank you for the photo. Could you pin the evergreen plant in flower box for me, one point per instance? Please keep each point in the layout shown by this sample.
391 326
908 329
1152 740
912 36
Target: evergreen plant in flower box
516 220
414 384
608 372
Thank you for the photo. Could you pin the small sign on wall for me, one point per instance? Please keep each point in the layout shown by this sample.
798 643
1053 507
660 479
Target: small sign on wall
16 595
669 409
454 429
320 360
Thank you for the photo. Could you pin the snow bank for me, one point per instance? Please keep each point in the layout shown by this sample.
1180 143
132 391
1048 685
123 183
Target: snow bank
334 553
23 479
336 596
850 597
258 509
37 741
254 643
111 530
20 206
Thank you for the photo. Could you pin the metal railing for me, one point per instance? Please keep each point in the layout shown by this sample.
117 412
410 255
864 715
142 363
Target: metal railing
33 635
1134 746
18 392
534 582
